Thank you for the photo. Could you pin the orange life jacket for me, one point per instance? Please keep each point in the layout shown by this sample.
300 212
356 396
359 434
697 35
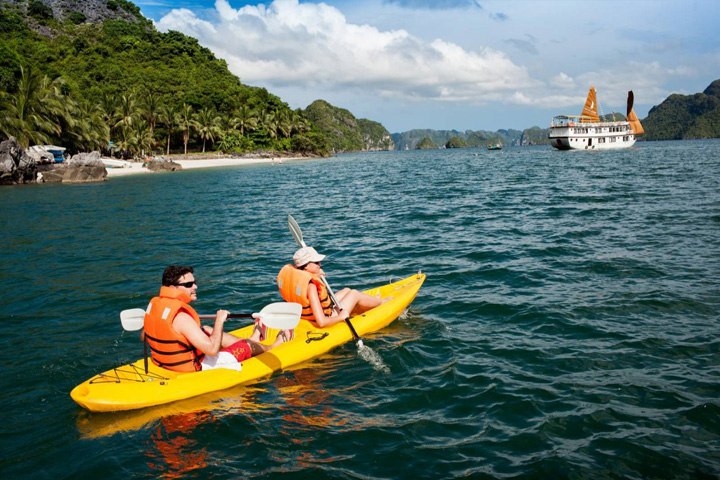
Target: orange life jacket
169 348
293 284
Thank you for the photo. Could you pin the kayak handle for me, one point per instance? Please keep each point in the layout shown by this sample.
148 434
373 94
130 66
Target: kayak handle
316 336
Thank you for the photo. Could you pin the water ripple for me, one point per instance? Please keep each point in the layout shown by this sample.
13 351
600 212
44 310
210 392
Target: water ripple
567 327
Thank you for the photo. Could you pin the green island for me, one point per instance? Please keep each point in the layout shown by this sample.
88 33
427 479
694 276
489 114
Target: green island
83 79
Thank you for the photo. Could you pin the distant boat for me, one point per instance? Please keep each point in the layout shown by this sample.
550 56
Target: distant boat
497 146
587 132
111 163
57 152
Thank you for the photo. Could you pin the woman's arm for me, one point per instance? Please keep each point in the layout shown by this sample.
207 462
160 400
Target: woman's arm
320 318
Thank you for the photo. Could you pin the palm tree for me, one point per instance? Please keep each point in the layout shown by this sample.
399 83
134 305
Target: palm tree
270 122
245 119
168 116
143 138
150 108
89 129
226 125
186 123
29 114
284 123
128 110
299 123
127 142
207 123
108 104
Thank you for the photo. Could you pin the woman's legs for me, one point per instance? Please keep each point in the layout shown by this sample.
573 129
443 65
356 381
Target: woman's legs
355 302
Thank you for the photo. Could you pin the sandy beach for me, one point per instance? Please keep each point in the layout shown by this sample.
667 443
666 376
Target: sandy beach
137 168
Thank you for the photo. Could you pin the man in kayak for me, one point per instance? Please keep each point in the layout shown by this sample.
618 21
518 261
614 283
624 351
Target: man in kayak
178 341
302 283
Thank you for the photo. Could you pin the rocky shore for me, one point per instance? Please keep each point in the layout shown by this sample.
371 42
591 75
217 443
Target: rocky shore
19 166
35 165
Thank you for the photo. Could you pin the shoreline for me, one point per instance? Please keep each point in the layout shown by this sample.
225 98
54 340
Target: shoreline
137 167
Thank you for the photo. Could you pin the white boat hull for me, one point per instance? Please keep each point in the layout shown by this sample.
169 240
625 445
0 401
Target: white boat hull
591 136
110 163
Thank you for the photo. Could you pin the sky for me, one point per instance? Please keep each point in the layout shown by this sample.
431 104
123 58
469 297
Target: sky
458 64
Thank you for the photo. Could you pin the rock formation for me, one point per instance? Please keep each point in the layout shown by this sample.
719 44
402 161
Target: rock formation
16 166
163 166
29 166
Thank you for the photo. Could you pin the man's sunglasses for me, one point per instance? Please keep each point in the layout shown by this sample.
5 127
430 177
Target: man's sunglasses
186 284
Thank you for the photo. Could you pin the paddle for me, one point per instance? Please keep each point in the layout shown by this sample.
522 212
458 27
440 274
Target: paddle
297 235
279 315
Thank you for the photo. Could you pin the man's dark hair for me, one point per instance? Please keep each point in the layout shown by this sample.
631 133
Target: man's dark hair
172 274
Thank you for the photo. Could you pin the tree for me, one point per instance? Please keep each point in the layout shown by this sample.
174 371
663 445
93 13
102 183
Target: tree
29 113
127 111
270 122
168 116
186 123
150 106
245 119
207 123
89 131
127 142
108 103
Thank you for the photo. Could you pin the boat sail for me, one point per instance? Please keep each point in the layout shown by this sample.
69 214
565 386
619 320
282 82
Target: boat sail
590 111
635 124
588 132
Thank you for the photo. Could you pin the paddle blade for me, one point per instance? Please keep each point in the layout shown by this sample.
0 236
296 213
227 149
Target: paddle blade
280 315
295 230
132 319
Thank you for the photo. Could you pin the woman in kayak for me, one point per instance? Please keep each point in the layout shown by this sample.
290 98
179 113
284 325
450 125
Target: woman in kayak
178 341
302 283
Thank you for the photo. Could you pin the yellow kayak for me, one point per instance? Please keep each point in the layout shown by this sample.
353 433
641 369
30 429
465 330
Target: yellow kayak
129 387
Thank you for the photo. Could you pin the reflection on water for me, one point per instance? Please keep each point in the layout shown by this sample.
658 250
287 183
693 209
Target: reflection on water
209 407
171 449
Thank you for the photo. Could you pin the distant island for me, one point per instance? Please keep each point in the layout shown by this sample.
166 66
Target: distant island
686 117
679 117
421 138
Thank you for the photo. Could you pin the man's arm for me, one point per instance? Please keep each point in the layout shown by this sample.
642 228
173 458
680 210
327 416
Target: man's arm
185 325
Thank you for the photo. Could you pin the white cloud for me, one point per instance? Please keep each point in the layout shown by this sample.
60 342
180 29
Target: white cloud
562 81
185 21
313 45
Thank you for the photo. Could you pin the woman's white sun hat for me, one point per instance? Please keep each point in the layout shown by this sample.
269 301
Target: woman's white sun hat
306 255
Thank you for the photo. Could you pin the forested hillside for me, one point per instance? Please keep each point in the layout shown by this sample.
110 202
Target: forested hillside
345 133
80 84
686 116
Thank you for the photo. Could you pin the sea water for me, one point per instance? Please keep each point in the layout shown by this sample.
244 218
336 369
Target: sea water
568 327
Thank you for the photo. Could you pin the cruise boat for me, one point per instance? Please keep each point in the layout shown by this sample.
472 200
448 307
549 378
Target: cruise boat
587 132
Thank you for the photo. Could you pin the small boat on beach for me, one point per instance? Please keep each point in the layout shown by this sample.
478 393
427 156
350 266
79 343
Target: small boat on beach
112 163
588 132
57 152
131 386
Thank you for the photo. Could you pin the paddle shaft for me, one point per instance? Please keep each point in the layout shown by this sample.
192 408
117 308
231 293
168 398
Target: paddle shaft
232 315
340 309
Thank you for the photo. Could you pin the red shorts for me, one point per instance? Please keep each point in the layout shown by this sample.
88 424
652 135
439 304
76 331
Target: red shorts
240 350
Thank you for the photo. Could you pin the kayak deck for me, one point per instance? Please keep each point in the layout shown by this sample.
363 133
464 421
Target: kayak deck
130 387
